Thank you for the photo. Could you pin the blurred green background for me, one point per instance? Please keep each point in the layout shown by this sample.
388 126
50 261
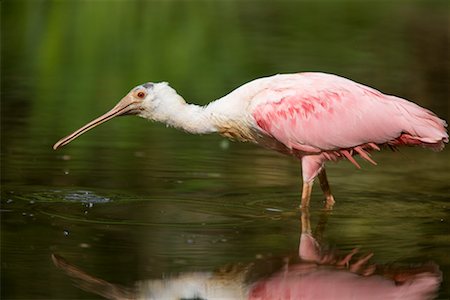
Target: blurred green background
66 62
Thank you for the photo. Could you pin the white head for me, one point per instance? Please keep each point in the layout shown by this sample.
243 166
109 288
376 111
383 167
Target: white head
148 100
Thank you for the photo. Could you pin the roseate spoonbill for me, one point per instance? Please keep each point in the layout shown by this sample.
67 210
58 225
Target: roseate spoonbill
315 117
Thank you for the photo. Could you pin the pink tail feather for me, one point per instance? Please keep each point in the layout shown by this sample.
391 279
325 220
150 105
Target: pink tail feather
421 126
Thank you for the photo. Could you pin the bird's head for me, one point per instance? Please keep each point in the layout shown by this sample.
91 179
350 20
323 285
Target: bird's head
143 100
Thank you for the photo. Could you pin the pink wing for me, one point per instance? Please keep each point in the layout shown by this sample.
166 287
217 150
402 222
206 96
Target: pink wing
315 112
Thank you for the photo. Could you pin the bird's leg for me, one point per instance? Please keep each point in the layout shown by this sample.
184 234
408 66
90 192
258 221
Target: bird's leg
326 189
311 166
306 194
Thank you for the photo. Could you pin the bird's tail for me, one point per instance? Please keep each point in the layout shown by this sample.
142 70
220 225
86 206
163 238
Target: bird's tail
421 126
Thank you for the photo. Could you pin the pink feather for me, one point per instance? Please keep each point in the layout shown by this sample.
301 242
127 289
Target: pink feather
314 113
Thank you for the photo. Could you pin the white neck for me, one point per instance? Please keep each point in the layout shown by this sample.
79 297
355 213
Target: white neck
191 118
172 110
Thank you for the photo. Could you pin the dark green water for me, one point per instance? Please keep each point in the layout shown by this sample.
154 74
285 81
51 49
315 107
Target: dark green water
133 200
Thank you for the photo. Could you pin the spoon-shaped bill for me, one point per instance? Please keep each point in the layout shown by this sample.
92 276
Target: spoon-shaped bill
124 107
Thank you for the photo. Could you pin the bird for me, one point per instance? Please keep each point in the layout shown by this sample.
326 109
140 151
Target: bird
313 116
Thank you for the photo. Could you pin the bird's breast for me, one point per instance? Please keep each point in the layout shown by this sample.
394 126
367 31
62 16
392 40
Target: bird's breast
236 132
246 133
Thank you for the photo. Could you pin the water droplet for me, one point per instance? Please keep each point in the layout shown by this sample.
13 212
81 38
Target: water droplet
31 201
273 209
66 157
190 241
90 204
223 240
31 215
9 201
24 214
224 144
66 232
66 172
84 245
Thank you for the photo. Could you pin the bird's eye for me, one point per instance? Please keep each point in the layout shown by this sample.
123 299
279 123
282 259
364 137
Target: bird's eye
141 95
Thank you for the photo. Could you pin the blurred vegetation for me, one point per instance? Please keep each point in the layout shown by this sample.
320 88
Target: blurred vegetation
65 62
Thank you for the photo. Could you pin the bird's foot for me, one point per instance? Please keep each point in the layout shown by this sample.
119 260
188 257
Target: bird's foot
329 202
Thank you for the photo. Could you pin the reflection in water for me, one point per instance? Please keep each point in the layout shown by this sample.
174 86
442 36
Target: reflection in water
313 273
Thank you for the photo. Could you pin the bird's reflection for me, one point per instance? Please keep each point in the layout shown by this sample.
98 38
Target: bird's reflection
313 273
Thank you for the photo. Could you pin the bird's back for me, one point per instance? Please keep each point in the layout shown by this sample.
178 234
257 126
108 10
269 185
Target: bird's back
315 112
